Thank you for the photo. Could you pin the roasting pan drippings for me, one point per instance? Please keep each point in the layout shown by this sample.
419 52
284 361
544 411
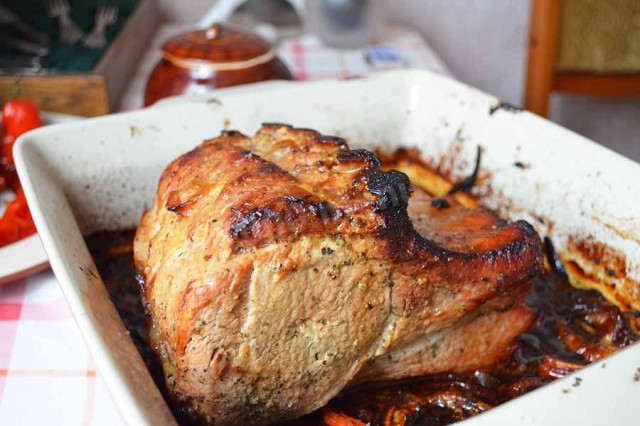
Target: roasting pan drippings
573 328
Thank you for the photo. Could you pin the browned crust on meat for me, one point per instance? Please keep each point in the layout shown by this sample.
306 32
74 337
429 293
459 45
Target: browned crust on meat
259 249
590 264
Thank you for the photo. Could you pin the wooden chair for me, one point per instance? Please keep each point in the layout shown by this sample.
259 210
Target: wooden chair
543 75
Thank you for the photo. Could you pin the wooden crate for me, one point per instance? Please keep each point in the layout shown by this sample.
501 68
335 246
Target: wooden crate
96 93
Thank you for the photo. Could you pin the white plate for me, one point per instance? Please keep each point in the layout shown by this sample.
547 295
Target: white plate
26 256
101 173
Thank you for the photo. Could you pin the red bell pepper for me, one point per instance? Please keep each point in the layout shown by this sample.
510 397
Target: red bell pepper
18 116
16 222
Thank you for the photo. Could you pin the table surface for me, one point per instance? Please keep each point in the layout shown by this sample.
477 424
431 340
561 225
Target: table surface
46 372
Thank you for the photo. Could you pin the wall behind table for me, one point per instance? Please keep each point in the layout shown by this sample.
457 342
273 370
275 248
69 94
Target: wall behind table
184 11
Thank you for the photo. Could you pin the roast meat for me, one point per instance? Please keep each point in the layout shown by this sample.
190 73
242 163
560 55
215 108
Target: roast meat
282 268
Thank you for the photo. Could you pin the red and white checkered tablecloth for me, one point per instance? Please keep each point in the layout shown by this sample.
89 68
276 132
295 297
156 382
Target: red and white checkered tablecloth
46 373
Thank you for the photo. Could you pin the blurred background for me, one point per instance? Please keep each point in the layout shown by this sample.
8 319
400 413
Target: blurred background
486 44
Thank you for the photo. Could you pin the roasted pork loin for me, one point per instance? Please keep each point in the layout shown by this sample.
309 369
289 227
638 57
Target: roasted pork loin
282 268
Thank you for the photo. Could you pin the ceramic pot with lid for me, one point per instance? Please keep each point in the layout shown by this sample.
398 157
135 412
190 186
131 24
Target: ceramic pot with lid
199 61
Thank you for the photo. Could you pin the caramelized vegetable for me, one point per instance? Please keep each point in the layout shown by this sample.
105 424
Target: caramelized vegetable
333 418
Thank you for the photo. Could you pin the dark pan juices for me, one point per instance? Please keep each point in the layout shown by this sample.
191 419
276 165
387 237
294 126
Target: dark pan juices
574 327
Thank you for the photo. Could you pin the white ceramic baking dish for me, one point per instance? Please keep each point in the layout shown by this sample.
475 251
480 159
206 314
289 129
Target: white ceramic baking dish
101 173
